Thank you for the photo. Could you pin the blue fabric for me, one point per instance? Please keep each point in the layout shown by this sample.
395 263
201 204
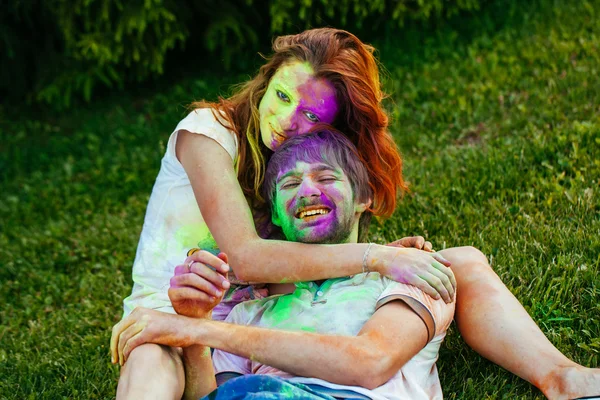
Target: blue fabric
264 387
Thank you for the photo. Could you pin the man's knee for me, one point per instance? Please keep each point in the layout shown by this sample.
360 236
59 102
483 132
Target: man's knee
152 371
150 356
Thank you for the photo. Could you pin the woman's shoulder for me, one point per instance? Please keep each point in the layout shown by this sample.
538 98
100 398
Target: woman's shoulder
207 116
211 123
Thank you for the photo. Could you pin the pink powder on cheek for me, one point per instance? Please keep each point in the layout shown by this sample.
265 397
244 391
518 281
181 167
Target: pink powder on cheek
320 97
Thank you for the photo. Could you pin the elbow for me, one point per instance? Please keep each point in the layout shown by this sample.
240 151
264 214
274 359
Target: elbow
242 258
377 369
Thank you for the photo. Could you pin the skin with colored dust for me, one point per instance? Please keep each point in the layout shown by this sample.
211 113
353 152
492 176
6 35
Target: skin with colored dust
315 204
293 102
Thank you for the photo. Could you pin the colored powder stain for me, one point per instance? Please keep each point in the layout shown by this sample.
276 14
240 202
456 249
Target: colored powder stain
334 192
196 235
282 309
359 294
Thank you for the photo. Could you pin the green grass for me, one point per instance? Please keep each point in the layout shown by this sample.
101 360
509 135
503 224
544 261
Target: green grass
499 126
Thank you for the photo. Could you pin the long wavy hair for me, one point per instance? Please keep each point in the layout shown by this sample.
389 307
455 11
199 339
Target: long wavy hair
349 65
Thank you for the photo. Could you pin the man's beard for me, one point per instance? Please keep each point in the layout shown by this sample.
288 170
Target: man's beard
339 233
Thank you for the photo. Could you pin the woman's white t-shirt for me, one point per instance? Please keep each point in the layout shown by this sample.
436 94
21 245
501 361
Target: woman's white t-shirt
173 223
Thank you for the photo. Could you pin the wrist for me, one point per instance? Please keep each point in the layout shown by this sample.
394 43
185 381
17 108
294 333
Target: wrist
379 257
373 257
198 333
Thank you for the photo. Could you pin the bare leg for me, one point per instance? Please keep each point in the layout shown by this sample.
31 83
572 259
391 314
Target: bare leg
495 324
152 371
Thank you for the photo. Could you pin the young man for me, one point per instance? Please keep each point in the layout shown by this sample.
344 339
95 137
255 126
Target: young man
363 336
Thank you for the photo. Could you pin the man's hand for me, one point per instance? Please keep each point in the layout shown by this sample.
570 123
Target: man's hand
418 242
149 326
199 284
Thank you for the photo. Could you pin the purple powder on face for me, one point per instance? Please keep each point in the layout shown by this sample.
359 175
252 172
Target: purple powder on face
325 146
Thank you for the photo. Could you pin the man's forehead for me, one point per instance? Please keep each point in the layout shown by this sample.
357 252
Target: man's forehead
302 167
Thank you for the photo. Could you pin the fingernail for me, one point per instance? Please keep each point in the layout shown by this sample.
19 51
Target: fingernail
225 284
225 267
218 292
212 299
112 360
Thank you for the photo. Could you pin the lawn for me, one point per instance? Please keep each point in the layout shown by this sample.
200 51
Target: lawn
498 120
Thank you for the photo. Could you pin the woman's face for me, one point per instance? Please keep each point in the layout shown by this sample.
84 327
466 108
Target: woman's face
294 101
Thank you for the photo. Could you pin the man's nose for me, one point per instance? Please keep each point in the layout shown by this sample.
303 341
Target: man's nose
308 188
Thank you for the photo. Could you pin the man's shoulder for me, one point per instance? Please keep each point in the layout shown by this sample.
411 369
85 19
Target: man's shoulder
439 311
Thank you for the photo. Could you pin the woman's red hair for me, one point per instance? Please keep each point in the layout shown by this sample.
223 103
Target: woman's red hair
349 65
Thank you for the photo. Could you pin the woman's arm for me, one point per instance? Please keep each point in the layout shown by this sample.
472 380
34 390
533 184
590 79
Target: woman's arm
253 259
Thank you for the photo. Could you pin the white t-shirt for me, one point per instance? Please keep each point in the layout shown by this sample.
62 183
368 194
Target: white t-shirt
173 223
342 306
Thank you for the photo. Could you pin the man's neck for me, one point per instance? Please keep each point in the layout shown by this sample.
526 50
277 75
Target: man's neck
287 288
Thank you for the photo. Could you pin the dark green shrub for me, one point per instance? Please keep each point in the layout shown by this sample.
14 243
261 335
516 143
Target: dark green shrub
286 14
56 50
86 43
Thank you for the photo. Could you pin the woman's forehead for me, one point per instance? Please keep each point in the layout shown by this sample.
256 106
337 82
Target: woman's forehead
294 72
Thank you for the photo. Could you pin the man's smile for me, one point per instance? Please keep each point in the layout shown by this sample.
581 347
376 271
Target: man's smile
306 213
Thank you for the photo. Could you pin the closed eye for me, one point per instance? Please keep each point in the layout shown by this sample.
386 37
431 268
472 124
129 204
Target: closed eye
282 96
327 179
311 116
289 185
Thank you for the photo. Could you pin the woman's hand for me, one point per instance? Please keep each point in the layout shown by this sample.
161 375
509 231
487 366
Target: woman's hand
418 242
421 269
199 284
149 326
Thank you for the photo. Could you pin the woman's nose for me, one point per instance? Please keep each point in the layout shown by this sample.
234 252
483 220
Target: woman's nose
290 124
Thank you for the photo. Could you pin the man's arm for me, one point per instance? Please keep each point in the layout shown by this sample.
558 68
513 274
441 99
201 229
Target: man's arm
199 372
391 337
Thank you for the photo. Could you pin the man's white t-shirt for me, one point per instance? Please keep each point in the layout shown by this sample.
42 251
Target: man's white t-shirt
342 306
173 223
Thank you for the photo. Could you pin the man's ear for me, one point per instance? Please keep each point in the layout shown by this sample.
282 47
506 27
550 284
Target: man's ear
362 207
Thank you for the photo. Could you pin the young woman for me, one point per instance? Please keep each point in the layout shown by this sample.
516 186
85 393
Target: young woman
207 194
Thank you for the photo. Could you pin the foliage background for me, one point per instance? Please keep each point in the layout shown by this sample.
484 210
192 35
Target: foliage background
495 106
58 50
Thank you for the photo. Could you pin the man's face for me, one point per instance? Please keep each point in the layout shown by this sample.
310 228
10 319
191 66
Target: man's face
314 203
